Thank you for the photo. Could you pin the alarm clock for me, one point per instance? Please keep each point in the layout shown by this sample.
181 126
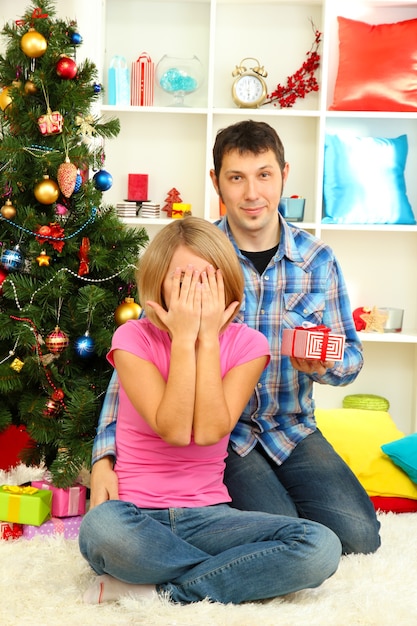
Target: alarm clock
249 88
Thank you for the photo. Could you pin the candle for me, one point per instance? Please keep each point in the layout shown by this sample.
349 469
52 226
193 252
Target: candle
137 186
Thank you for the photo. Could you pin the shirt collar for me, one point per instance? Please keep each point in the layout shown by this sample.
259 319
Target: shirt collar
287 246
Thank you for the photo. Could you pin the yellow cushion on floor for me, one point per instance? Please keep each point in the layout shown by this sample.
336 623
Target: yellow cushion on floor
357 435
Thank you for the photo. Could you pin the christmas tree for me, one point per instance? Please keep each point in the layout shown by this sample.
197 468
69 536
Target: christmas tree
67 261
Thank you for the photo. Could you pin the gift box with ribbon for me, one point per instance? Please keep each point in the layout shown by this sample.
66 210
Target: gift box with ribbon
51 123
68 527
312 342
118 81
65 502
10 530
143 77
25 505
180 210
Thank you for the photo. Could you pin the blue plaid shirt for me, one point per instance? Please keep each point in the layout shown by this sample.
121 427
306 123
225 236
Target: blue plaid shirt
302 283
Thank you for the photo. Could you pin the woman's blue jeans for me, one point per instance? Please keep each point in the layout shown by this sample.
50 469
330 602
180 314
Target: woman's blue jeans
313 483
214 552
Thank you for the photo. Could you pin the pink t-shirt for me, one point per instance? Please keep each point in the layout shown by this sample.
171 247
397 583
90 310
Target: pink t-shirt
151 472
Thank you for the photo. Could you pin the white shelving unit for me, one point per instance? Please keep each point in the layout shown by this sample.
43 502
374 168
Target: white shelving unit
173 145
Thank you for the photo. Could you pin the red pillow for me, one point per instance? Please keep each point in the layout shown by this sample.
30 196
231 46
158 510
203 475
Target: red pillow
394 505
377 66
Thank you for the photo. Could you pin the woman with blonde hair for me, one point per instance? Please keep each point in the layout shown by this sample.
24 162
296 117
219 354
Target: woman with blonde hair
186 372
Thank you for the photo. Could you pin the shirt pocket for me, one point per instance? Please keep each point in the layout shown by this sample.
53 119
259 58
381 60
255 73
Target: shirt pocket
303 309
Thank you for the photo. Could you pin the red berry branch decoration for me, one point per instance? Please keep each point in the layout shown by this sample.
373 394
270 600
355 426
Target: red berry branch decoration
302 82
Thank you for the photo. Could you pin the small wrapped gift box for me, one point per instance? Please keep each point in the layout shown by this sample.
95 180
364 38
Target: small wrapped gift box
65 502
180 210
118 81
25 505
9 530
143 78
51 123
137 187
69 527
314 342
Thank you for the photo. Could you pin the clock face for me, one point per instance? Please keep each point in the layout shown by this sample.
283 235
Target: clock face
249 91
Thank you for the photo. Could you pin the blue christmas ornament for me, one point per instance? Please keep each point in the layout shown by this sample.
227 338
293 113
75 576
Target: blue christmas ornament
102 180
84 346
78 183
97 87
12 260
76 39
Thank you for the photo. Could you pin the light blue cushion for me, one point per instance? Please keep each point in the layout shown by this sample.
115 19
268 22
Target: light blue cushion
403 452
364 180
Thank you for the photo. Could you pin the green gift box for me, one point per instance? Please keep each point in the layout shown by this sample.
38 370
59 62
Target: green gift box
25 505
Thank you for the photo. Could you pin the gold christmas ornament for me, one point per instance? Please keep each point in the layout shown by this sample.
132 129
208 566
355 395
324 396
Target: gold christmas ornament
67 177
127 310
43 259
46 191
30 88
16 365
5 98
33 44
8 210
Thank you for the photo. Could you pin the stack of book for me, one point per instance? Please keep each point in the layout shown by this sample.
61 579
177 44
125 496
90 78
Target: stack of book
150 209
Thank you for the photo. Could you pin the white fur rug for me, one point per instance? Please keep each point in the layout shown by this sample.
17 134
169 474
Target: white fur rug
42 581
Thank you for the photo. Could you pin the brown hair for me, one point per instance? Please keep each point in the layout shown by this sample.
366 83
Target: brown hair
205 240
247 136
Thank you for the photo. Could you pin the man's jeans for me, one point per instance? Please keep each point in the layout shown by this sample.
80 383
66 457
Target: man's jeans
214 552
313 483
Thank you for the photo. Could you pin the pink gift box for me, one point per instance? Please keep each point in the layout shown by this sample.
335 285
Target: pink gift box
315 342
65 502
69 527
10 530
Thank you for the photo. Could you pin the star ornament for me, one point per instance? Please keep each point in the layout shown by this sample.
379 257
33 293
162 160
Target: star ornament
374 320
43 259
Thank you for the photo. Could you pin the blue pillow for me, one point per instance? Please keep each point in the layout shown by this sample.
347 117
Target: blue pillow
403 452
364 180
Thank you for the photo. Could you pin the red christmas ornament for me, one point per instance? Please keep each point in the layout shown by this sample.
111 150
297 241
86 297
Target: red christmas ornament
52 234
66 177
66 68
83 256
43 231
52 408
3 276
57 341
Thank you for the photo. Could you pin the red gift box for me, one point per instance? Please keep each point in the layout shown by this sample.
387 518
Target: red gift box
314 342
142 81
69 527
10 530
137 187
65 502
